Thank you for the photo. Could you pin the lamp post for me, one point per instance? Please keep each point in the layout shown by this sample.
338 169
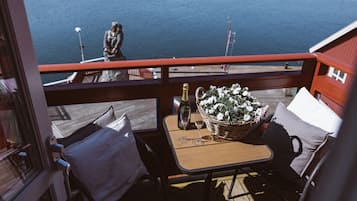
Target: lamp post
81 46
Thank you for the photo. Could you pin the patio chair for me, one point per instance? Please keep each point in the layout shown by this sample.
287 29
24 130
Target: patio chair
299 151
145 181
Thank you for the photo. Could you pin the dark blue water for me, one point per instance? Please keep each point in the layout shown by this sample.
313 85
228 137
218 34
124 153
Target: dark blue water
183 28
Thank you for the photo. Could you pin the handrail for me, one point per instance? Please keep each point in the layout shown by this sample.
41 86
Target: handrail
145 63
334 62
154 88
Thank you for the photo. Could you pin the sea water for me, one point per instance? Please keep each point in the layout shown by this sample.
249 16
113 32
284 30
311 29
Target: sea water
182 28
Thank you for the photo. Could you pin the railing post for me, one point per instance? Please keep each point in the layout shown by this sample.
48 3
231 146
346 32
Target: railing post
308 69
164 74
164 100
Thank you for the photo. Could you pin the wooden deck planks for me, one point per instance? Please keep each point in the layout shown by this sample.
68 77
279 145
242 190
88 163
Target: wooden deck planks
142 114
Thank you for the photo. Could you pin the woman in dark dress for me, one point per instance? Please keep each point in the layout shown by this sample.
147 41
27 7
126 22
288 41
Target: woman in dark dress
113 40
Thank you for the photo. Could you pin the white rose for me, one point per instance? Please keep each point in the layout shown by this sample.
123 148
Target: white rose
211 111
236 91
249 108
235 108
245 93
246 117
211 100
235 85
220 116
214 98
258 111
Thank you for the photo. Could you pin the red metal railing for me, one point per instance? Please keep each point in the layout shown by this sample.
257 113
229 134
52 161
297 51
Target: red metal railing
83 93
145 63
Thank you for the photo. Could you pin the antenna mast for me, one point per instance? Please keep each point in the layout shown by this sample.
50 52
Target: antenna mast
231 40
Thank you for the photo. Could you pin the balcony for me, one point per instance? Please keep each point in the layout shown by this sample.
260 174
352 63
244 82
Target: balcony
157 93
149 99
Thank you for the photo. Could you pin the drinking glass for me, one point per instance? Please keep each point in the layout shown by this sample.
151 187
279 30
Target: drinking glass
199 125
183 140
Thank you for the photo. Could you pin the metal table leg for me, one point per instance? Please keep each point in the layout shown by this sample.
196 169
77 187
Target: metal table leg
207 186
230 196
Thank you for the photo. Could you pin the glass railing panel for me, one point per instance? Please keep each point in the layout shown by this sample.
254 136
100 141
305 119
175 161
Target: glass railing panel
68 118
224 69
263 67
95 76
272 97
197 70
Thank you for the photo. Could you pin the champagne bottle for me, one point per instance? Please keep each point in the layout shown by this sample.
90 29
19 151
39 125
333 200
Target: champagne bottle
184 110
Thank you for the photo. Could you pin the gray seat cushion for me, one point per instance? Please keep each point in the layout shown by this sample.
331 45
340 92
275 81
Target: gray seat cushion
107 162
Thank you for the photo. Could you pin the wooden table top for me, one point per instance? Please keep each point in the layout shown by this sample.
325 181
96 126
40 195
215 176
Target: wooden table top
211 155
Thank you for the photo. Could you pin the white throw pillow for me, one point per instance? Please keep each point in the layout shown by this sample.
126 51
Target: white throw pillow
310 110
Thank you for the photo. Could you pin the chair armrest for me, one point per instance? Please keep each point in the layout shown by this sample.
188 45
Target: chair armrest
153 164
310 182
264 123
149 157
267 119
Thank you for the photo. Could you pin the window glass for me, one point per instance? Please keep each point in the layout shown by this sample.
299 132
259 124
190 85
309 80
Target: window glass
335 71
16 149
337 74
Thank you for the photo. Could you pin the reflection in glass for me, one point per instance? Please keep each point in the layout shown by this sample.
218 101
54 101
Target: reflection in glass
14 153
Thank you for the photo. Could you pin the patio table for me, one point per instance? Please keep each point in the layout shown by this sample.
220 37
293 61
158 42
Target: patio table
212 155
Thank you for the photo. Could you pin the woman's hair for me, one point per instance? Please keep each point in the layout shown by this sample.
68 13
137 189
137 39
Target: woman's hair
117 27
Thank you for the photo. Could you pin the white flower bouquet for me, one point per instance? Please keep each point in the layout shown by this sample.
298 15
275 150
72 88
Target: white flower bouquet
229 112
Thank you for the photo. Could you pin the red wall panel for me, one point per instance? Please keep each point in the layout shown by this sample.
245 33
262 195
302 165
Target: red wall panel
344 49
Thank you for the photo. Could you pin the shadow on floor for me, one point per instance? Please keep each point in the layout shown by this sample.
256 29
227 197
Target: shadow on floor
194 192
274 190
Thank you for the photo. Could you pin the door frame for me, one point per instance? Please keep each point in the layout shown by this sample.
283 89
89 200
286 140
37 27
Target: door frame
29 80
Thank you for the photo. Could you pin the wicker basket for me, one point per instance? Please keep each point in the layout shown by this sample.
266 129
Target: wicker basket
226 129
